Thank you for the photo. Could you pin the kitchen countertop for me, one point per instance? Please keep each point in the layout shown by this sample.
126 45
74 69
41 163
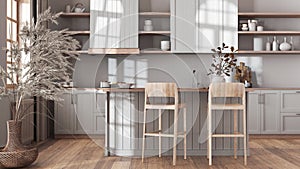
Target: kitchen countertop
180 89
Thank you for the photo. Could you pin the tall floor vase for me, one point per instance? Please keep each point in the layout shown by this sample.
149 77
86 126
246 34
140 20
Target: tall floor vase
15 154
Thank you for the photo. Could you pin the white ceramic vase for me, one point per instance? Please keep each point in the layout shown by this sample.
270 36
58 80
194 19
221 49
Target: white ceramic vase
217 79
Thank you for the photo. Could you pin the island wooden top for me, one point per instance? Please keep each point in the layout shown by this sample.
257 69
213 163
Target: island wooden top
112 90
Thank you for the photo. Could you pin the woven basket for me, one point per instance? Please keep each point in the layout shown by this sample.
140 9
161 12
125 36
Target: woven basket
14 154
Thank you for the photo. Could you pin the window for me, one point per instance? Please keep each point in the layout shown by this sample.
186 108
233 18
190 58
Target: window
18 12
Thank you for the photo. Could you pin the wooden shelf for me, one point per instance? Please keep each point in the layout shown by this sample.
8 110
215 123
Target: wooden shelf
267 52
161 14
268 15
269 32
114 51
154 32
79 32
84 14
155 52
83 51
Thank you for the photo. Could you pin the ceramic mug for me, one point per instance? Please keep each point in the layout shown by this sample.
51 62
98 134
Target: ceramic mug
165 45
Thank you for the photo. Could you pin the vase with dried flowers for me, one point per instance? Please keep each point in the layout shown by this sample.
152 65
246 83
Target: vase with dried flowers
49 56
223 63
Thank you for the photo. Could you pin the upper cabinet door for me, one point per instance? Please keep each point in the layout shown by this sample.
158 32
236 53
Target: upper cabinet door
183 29
114 24
209 25
230 23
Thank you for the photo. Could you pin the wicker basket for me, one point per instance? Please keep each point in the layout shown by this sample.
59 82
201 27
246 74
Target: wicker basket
14 154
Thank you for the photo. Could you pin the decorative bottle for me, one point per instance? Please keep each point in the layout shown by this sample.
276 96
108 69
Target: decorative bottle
274 44
268 45
292 44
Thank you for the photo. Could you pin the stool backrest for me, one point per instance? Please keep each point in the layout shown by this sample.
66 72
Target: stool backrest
227 90
161 90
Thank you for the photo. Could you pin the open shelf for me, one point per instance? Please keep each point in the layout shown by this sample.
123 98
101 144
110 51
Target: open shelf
79 32
268 15
269 32
161 14
155 52
155 32
83 14
83 51
267 52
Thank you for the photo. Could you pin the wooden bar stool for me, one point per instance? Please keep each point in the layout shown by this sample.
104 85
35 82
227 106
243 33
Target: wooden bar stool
227 90
164 90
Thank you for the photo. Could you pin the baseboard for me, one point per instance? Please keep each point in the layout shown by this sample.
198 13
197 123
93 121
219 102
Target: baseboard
79 136
274 136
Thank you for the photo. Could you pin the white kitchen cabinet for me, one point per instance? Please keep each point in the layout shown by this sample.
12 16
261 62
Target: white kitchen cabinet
114 25
290 112
64 115
80 113
264 112
184 26
203 25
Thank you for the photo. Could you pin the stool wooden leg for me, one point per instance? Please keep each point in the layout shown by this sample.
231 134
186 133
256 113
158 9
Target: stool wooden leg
184 128
210 137
235 131
245 137
159 137
144 131
175 135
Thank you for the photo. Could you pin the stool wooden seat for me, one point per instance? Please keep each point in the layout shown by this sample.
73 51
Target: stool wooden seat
227 90
164 90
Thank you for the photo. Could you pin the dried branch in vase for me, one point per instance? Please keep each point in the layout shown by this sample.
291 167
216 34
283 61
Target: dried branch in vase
39 62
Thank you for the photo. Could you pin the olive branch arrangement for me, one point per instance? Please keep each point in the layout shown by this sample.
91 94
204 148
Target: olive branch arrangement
223 63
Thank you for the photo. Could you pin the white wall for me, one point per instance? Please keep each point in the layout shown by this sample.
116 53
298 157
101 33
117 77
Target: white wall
5 115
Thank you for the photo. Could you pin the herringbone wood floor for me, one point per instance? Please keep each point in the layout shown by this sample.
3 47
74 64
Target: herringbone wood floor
86 154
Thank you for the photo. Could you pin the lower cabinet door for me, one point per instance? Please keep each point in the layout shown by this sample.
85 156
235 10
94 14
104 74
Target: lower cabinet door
270 112
290 123
253 113
84 113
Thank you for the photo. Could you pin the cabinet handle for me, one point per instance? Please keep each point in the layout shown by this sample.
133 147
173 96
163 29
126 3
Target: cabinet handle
297 114
261 99
74 99
297 91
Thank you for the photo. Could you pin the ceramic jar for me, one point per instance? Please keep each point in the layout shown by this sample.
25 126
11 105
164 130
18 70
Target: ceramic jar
148 25
165 45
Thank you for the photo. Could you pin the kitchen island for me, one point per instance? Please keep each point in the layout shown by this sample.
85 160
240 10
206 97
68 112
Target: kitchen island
124 124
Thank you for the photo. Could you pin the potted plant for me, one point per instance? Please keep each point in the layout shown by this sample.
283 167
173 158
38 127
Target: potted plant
51 53
223 63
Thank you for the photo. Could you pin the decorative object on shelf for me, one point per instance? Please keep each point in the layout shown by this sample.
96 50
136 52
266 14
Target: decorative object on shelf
244 27
268 44
243 74
148 25
68 8
260 28
165 45
274 44
258 44
51 53
284 46
223 63
252 25
78 8
292 43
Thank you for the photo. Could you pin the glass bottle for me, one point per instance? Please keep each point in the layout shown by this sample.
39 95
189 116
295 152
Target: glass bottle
274 44
292 43
268 44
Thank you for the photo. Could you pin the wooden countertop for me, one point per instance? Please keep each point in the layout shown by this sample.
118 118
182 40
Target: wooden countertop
180 89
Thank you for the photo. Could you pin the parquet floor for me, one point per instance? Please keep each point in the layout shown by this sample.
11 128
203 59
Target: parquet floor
86 154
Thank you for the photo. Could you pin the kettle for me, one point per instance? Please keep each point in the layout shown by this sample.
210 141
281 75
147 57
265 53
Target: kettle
78 8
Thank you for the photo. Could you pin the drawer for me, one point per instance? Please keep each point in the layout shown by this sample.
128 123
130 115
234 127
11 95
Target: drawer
290 101
290 123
